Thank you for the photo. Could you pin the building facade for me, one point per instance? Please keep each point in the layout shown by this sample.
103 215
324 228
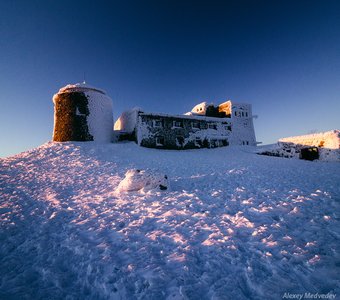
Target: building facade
206 126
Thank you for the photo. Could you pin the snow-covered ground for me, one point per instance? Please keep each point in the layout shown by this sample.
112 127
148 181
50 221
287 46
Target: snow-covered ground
233 225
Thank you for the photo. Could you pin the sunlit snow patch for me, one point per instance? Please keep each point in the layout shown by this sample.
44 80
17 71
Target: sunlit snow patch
143 180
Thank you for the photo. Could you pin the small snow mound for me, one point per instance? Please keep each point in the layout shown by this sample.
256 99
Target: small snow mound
143 180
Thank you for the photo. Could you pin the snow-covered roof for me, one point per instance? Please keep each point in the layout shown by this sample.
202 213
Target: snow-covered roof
201 108
79 87
193 117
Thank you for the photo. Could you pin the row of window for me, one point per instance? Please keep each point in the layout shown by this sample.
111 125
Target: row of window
245 142
179 124
198 142
179 141
240 113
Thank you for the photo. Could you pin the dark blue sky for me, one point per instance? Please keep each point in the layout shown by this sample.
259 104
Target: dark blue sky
283 57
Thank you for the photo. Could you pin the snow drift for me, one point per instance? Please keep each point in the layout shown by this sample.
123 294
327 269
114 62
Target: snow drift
235 225
142 180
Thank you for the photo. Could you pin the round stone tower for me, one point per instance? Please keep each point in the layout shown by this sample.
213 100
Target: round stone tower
82 113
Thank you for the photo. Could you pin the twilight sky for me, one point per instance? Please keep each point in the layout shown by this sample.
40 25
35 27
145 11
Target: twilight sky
283 57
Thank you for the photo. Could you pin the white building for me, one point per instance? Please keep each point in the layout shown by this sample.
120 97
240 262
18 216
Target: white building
206 126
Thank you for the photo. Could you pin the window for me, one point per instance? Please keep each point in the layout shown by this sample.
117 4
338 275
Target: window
235 113
213 143
198 142
227 127
159 141
212 126
157 123
177 124
195 125
246 114
242 114
179 141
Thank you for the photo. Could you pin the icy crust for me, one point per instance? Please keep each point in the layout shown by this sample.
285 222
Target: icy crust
100 119
235 225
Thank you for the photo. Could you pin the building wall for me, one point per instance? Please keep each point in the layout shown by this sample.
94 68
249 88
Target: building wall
71 111
177 132
225 107
243 126
100 120
82 113
158 130
127 121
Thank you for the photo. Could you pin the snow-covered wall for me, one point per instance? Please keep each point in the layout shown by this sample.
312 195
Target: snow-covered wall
243 132
100 120
325 145
82 113
182 132
127 121
226 124
328 139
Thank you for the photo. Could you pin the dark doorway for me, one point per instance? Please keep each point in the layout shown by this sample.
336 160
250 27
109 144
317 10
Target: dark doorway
310 153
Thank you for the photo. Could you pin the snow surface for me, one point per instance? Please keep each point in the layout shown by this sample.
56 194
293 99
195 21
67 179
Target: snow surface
235 225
